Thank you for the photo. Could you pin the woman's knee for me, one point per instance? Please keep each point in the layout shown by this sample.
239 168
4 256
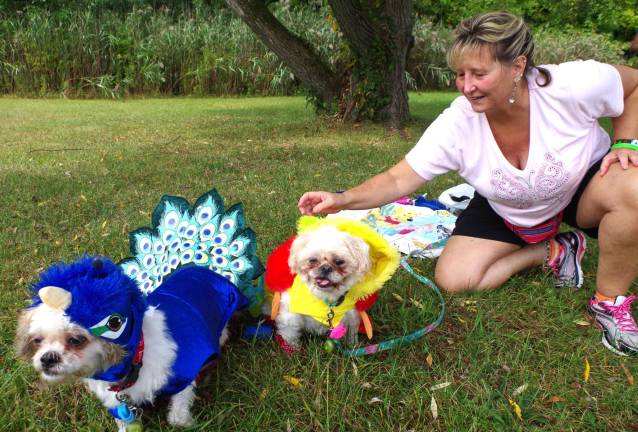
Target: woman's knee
452 279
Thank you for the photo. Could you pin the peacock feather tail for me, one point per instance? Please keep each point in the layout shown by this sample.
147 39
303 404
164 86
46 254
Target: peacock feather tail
202 234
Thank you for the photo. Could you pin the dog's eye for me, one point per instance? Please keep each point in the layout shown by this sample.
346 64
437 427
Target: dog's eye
115 322
37 340
76 341
313 261
340 262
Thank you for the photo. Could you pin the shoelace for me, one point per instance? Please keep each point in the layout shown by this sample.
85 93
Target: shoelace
622 314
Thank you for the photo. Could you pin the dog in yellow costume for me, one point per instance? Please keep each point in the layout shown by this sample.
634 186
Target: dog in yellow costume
325 278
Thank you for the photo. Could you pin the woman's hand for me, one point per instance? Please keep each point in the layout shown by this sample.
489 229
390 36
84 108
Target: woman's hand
321 202
624 156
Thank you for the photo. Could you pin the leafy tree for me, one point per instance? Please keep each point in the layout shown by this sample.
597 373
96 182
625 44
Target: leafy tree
373 84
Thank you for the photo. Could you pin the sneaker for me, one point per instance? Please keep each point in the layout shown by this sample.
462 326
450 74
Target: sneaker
620 333
564 254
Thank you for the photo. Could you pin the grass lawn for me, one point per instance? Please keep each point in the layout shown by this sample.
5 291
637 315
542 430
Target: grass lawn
76 176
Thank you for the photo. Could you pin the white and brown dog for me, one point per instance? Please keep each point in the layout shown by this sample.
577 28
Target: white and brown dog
89 321
325 278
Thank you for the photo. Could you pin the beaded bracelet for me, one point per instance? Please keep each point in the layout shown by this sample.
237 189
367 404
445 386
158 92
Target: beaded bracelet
631 144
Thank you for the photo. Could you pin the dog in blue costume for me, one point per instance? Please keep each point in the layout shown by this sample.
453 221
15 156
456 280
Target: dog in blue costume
147 326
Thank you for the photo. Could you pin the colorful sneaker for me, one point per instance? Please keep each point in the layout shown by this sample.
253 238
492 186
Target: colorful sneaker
564 254
620 333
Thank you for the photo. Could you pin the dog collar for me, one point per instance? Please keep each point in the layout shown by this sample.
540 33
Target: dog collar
133 371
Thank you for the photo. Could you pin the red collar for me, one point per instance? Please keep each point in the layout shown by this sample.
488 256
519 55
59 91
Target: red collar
134 370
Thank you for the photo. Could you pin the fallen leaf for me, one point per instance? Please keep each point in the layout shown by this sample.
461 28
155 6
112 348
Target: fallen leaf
292 380
434 409
366 385
582 322
555 399
440 386
263 394
375 400
517 409
428 360
355 369
416 303
519 390
83 197
587 369
397 296
630 377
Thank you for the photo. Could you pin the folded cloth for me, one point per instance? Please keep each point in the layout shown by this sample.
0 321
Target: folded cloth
413 230
457 198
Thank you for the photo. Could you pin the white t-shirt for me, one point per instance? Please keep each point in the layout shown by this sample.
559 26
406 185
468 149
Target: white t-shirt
565 140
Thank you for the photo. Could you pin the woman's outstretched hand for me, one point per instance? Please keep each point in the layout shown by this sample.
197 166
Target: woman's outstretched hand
321 202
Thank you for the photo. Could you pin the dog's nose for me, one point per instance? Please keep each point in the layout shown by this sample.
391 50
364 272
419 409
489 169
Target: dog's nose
49 359
325 270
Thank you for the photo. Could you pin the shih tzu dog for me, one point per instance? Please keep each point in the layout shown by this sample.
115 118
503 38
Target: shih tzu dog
89 321
323 280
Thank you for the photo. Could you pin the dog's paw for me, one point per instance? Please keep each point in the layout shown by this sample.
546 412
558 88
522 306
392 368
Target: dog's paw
180 417
289 347
351 340
179 409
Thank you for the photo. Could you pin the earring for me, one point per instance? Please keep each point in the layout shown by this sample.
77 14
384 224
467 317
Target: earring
512 98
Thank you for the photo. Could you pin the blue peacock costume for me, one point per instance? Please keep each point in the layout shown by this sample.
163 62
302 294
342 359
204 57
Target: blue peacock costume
197 264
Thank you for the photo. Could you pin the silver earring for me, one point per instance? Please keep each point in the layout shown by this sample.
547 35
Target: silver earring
512 98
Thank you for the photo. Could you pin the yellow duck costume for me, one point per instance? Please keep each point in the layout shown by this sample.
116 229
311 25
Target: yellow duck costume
384 260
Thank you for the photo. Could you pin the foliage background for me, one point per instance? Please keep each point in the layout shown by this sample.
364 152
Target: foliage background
113 48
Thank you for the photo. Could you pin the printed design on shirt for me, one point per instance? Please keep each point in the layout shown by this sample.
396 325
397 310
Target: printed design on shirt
542 185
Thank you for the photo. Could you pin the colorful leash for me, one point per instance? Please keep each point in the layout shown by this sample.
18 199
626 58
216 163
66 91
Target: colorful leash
403 340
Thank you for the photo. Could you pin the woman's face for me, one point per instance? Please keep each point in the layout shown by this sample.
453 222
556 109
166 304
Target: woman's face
486 83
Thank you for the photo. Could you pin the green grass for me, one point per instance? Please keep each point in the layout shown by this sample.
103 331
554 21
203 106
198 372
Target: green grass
76 176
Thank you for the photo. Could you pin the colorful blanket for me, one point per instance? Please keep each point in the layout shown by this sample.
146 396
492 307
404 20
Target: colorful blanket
413 230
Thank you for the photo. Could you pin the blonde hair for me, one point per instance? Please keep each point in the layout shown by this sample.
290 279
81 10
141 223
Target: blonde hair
506 36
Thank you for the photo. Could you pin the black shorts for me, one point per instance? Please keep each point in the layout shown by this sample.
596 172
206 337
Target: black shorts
481 221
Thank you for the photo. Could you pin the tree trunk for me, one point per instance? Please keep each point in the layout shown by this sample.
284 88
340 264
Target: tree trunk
292 50
381 38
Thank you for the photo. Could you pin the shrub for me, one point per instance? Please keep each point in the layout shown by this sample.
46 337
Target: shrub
427 65
554 46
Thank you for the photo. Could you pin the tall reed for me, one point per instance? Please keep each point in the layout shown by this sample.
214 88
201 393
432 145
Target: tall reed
98 52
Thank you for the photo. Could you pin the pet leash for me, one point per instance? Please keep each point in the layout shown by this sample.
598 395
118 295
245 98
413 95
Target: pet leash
402 340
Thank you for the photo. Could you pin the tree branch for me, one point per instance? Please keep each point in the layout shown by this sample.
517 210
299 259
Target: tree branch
292 50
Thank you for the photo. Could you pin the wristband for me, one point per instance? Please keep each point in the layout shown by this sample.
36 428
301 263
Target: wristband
631 144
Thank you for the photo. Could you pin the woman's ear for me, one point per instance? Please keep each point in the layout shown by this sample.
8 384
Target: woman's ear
519 65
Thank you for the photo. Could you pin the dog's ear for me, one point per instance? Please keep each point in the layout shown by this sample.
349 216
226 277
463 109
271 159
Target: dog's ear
24 346
295 252
360 252
113 353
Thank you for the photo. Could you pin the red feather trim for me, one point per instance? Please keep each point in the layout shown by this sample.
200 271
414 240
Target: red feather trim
367 302
278 275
